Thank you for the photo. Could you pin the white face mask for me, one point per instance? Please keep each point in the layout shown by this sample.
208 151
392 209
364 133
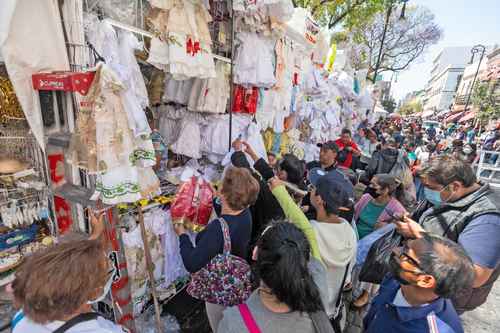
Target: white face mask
106 289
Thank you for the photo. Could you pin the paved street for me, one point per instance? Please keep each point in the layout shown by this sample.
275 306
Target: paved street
485 319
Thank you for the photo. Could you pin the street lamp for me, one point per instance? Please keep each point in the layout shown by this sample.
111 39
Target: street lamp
476 49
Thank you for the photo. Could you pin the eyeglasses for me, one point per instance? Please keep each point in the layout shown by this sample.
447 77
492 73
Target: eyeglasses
402 255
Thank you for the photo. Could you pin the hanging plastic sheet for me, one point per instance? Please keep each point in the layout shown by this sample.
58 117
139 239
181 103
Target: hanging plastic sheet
26 53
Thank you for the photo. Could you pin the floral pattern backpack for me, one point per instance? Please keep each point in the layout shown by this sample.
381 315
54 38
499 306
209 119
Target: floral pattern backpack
225 280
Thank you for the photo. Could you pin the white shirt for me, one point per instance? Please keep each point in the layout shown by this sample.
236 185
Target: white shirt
99 325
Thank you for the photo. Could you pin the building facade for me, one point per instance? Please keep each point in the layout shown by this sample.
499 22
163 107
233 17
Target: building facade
446 73
465 85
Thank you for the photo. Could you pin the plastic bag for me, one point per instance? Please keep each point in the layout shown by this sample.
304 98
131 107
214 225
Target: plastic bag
365 244
193 203
145 322
376 265
174 267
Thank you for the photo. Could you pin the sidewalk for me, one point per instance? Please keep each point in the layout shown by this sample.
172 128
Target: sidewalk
485 318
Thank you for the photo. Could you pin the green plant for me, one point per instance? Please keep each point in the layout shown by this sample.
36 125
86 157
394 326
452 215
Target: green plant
485 101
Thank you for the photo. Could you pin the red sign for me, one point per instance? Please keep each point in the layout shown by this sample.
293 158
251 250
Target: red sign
64 81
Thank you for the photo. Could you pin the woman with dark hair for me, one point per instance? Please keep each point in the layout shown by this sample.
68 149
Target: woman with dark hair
266 207
287 299
373 211
375 208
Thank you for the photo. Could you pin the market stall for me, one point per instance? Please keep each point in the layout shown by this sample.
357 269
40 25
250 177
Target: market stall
138 121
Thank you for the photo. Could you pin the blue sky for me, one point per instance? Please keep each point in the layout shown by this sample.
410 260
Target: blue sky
464 23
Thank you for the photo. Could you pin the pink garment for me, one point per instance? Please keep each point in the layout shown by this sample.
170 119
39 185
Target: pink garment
394 206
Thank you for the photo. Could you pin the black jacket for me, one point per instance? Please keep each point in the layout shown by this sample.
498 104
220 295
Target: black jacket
266 208
381 162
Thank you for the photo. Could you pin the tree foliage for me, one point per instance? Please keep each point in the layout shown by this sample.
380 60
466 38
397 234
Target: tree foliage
350 13
486 101
411 107
405 39
389 104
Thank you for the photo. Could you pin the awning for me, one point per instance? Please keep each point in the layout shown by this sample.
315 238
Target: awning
461 108
426 114
467 117
443 113
454 117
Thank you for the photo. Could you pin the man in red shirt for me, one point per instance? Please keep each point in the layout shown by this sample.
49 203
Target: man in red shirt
348 147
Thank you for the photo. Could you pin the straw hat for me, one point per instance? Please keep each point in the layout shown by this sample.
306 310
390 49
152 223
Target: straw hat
9 166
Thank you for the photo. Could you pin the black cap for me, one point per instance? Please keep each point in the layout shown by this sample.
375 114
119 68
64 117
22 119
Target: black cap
333 187
329 145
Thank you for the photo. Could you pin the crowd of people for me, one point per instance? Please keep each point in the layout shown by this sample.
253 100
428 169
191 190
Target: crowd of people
393 180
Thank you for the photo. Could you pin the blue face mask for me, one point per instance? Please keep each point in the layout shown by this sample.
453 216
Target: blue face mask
433 196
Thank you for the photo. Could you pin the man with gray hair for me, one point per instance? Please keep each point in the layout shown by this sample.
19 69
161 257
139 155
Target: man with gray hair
467 212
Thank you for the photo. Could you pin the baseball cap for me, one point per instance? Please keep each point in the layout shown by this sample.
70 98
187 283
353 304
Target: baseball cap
333 187
329 145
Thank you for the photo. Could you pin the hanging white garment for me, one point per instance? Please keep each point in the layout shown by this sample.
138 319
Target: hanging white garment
255 140
254 60
215 134
170 122
189 141
178 91
128 43
158 54
173 267
133 244
211 95
120 57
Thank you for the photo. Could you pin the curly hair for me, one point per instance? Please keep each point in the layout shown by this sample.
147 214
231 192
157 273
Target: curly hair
239 188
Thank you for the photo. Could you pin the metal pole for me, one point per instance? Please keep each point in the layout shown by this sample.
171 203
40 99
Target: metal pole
150 269
475 49
231 83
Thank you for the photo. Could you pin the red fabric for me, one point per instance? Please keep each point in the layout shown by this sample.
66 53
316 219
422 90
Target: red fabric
245 100
193 202
348 162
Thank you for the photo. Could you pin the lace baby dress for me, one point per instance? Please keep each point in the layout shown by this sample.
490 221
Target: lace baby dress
170 122
189 141
254 60
190 41
136 94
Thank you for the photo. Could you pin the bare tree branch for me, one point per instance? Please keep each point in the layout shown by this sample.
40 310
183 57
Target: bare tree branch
404 42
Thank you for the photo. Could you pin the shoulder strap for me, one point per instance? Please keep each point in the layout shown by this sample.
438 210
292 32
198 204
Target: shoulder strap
225 235
248 318
339 296
83 317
